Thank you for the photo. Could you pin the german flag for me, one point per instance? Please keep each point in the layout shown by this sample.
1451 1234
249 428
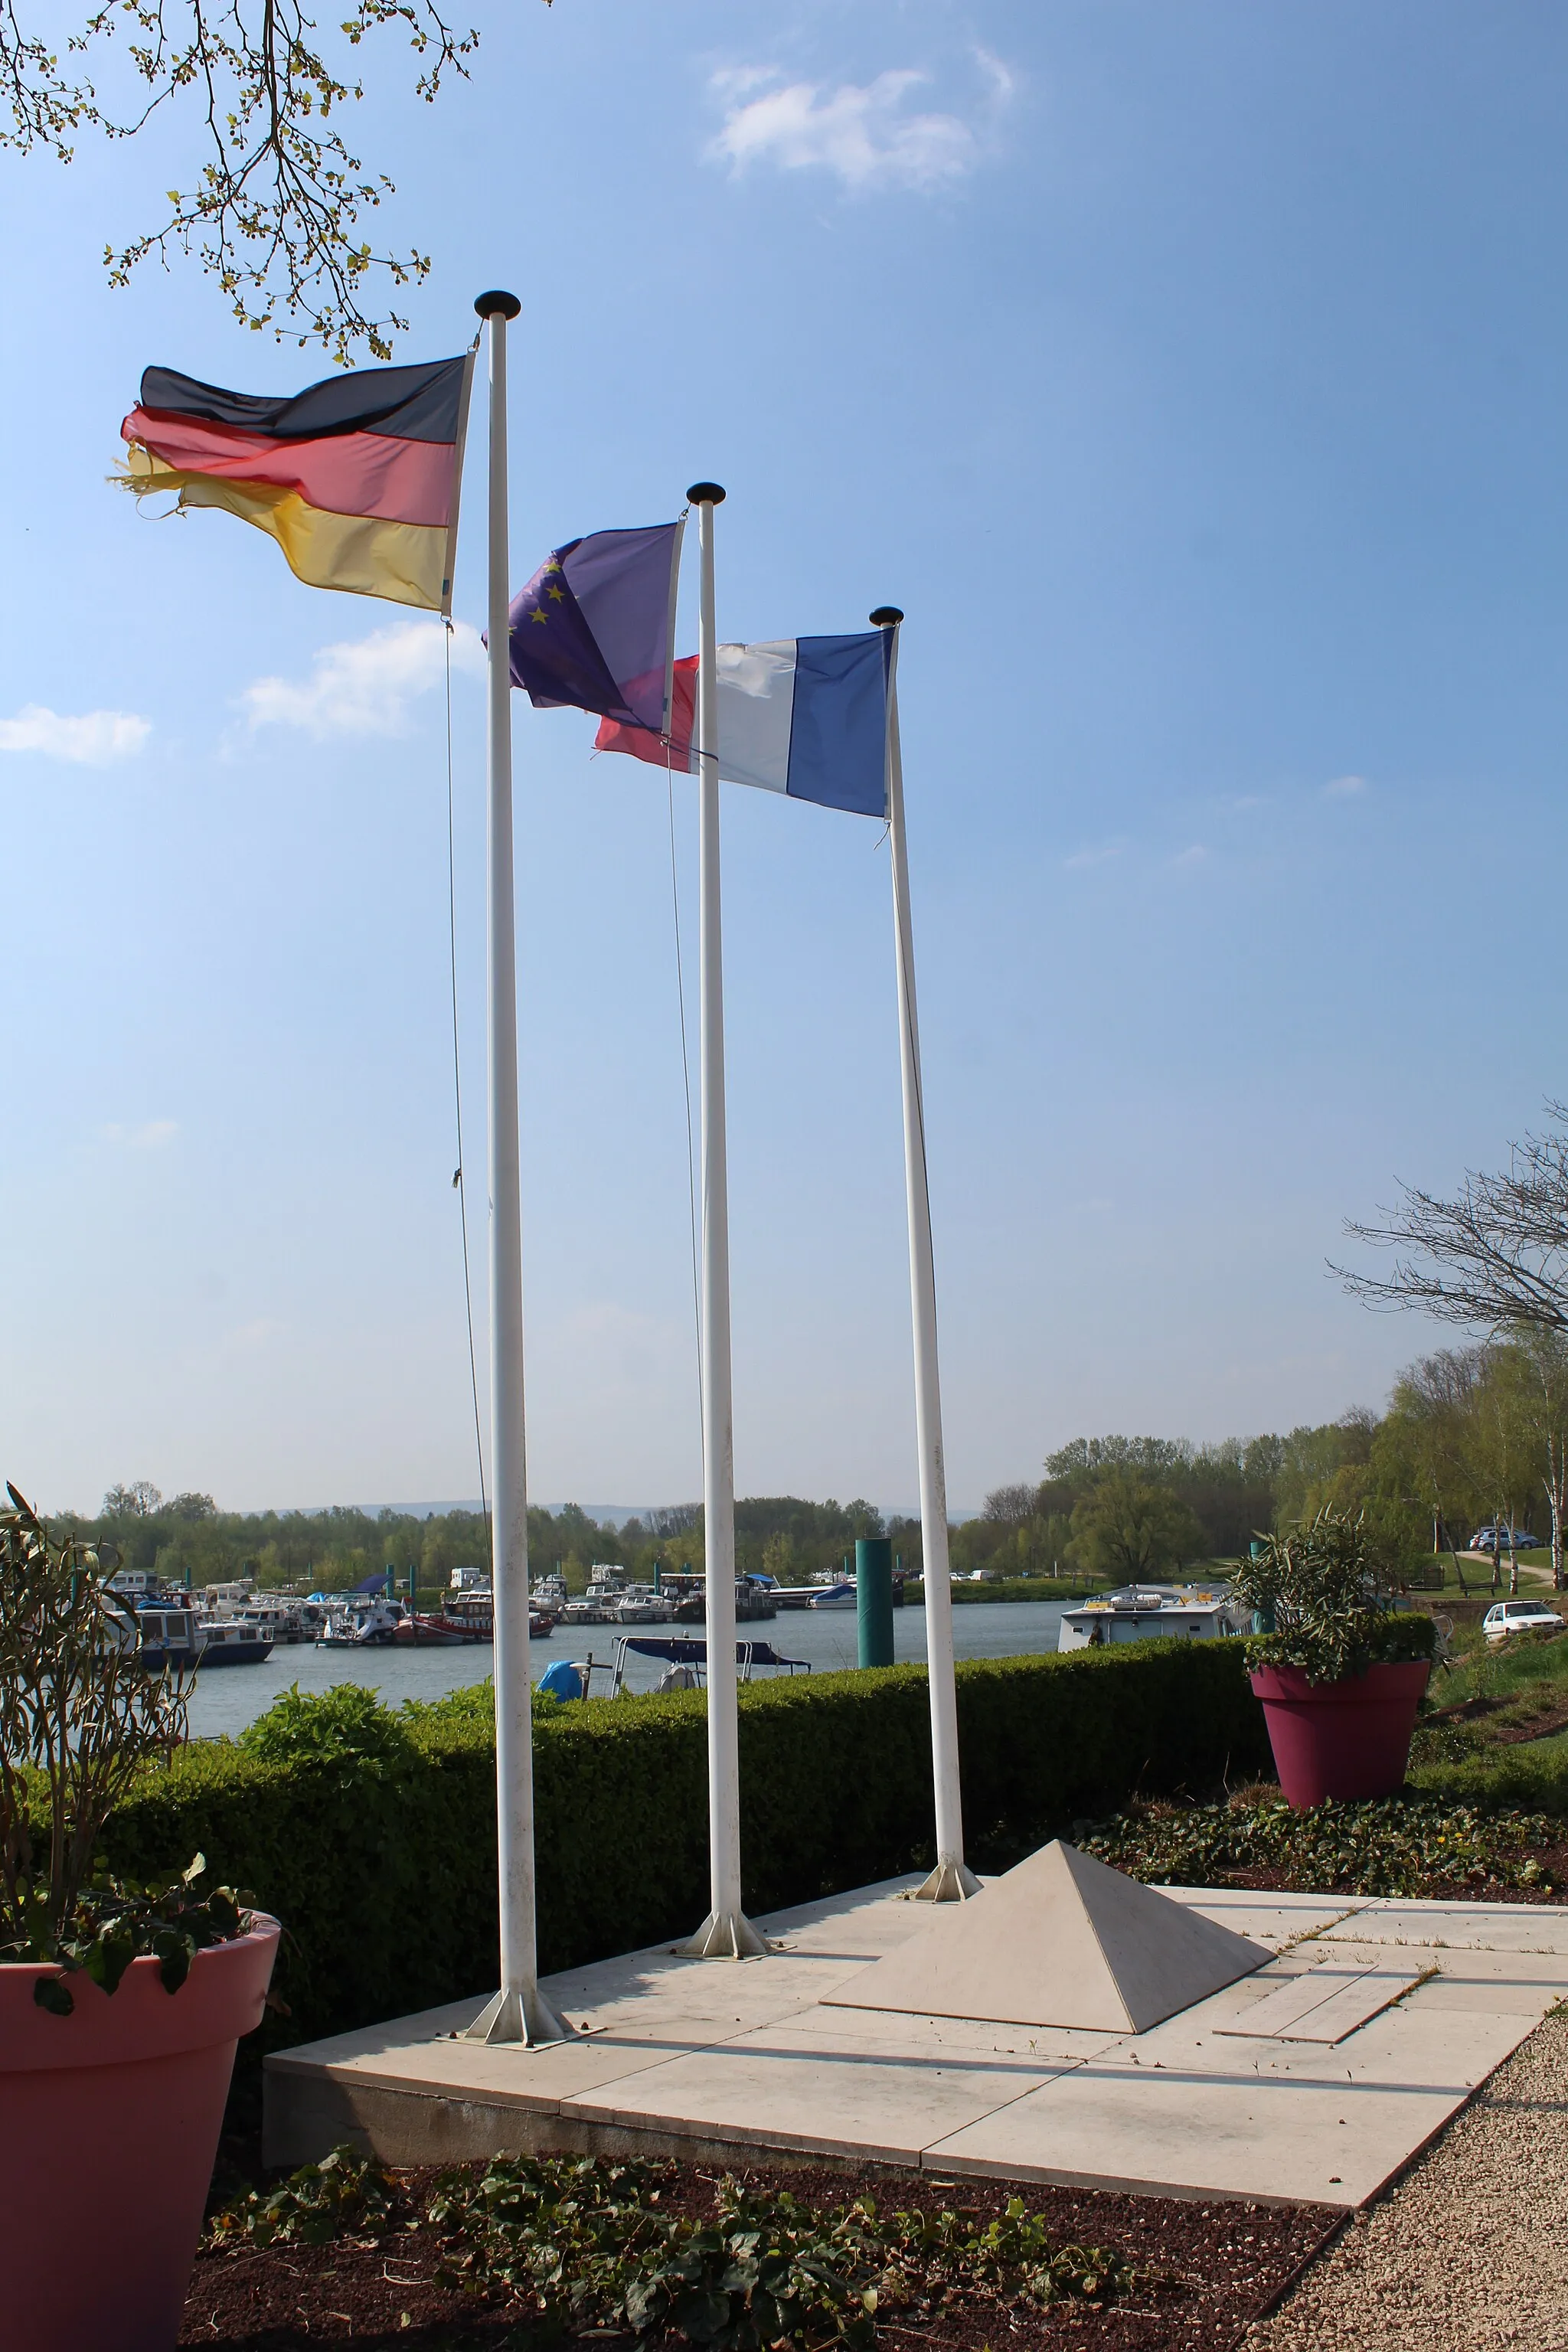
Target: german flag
356 478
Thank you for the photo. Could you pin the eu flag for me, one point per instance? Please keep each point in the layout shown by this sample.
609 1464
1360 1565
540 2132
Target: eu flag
591 630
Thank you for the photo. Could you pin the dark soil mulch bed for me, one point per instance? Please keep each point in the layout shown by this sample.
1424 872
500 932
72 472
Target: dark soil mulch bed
1210 2270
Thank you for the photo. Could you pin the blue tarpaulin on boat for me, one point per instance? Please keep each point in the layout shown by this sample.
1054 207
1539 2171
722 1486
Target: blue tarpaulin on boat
561 1680
680 1653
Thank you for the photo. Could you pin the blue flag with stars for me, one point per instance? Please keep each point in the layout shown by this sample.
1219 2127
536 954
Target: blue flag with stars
593 629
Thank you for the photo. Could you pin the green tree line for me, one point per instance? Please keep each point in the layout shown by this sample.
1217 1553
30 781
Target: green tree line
1469 1436
188 1539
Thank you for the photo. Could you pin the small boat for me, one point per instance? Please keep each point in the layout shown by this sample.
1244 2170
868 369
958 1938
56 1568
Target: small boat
357 1619
417 1631
467 1606
1143 1612
167 1639
639 1604
464 1618
225 1644
686 1661
549 1597
277 1620
834 1596
590 1609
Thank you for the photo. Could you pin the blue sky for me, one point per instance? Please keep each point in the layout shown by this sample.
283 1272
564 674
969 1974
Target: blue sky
1194 378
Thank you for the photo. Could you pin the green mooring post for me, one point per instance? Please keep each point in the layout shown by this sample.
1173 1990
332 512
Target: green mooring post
874 1599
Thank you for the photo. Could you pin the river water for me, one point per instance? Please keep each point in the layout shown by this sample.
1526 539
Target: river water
226 1698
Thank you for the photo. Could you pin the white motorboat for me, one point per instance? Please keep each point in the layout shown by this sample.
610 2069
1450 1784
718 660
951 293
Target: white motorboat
357 1619
274 1620
834 1596
639 1604
1146 1612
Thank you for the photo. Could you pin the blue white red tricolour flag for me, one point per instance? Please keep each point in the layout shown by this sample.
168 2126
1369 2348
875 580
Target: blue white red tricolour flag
805 716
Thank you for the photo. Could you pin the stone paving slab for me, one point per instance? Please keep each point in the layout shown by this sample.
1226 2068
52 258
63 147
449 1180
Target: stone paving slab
1324 2004
1478 1926
712 2058
822 2093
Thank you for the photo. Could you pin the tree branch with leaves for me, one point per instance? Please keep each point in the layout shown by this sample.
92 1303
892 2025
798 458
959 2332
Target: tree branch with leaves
277 204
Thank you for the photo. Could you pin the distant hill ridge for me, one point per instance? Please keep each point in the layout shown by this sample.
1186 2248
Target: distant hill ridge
610 1514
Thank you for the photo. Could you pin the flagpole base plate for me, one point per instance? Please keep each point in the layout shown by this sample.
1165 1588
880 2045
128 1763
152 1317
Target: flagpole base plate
726 1935
521 2015
950 1882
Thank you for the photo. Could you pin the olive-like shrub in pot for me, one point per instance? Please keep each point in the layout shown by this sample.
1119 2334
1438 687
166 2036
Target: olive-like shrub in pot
121 2000
1339 1666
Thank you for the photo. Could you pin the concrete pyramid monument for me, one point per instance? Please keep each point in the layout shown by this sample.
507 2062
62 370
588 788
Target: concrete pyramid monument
1059 1940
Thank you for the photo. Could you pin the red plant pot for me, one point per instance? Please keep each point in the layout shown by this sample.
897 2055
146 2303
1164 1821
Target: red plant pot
109 2125
1345 1739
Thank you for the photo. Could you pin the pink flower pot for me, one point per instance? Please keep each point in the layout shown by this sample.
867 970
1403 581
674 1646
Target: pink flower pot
1346 1740
109 2125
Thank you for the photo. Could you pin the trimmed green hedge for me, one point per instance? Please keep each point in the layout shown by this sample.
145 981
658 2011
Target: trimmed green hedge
382 1865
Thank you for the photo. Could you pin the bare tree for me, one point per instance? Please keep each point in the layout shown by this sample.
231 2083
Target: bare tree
675 1519
139 1500
1496 1258
276 200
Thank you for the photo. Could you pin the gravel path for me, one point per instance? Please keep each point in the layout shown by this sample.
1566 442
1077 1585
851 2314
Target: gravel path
1467 2251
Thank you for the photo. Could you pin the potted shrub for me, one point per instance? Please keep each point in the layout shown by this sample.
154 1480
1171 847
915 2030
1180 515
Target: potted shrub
1340 1670
120 2002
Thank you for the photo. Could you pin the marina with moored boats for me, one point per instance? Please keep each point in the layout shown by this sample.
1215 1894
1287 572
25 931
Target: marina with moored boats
424 1642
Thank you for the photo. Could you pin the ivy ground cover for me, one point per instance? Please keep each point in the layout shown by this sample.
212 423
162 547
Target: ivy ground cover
567 2251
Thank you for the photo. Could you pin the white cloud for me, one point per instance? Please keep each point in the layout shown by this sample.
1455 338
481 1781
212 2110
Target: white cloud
151 1136
864 133
1095 853
1196 856
93 741
246 1337
1345 788
365 688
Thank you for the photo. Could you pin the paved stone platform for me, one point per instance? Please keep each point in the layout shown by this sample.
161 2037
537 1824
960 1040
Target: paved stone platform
722 2061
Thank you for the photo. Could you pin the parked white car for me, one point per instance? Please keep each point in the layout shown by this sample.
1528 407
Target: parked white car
1506 1617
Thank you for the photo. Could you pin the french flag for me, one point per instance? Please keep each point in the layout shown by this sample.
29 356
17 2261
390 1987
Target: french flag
803 716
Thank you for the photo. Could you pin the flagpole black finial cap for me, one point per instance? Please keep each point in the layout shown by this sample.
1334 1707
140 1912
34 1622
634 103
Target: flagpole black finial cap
885 616
706 494
497 304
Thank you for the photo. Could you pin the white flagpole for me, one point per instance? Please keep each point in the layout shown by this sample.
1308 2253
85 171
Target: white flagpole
726 1934
950 1880
518 2011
